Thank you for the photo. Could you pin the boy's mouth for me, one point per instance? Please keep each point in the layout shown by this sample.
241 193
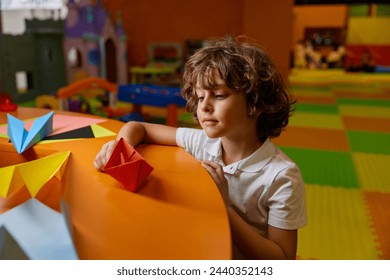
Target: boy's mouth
209 121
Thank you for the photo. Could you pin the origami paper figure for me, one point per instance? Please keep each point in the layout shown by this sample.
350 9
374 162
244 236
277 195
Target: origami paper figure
41 232
40 176
127 166
23 139
9 248
68 127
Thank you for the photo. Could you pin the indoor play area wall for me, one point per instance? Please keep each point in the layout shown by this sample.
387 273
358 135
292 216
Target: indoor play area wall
151 21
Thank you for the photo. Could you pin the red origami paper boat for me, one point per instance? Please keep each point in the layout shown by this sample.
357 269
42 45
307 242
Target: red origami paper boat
127 166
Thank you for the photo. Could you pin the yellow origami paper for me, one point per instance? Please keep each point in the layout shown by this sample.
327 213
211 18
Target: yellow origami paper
33 174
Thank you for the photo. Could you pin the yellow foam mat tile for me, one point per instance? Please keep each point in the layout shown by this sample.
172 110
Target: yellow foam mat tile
365 111
338 226
373 171
316 120
379 207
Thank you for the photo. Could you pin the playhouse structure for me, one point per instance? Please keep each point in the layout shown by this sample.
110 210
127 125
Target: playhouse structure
93 45
32 63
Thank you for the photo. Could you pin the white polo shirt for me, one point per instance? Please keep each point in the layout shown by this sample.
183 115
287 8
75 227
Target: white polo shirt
266 188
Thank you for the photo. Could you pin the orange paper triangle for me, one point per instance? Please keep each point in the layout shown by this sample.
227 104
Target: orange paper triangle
127 166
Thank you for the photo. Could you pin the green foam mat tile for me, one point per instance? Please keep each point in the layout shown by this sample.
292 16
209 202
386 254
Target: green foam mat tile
329 168
316 108
373 171
339 226
369 142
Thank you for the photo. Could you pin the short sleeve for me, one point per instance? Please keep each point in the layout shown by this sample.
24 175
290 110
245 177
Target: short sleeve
287 204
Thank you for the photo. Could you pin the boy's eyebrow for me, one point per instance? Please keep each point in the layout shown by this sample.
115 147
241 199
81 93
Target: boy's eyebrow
212 86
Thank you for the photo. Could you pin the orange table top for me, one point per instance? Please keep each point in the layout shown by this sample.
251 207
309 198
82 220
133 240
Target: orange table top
177 214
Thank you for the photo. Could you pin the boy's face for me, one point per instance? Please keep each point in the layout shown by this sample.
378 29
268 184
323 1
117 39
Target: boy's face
223 112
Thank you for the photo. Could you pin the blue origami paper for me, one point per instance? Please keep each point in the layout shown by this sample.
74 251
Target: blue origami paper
23 139
41 232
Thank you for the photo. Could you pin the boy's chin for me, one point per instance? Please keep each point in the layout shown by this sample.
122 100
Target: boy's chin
211 134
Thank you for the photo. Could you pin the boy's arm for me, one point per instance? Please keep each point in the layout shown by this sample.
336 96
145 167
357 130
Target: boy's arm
135 133
280 244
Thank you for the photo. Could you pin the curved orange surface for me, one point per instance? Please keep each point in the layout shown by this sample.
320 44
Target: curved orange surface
87 83
177 214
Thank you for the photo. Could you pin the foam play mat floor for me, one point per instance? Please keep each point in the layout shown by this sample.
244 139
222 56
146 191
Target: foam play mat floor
340 137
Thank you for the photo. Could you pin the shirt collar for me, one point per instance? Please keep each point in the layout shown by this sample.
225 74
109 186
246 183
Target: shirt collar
256 161
213 147
253 163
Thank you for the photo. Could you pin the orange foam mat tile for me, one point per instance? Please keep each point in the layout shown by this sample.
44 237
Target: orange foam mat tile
379 207
339 226
372 171
366 124
313 138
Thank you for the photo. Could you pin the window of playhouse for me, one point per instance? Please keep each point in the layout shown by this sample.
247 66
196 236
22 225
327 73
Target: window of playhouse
23 81
9 156
74 58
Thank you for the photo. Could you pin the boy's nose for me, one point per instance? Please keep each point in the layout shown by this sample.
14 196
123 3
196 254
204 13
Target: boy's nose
206 105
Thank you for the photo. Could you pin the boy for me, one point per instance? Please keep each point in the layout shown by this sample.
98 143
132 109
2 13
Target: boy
238 97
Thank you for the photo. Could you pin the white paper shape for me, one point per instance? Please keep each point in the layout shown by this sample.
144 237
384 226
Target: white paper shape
40 231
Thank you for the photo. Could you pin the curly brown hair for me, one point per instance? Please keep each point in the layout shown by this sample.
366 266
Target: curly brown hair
247 68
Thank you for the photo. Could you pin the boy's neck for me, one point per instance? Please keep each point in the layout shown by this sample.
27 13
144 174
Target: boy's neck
233 151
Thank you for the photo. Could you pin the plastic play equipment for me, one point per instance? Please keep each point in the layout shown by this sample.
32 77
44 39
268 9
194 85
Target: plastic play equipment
137 94
77 88
6 104
152 95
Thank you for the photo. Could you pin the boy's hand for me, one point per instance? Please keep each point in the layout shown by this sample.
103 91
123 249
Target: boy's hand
216 172
104 154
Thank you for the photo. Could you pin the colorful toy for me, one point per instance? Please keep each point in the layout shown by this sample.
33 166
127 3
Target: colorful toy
159 96
93 45
6 104
87 90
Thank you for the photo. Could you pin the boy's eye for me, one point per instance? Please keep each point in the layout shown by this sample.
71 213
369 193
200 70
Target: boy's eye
200 98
